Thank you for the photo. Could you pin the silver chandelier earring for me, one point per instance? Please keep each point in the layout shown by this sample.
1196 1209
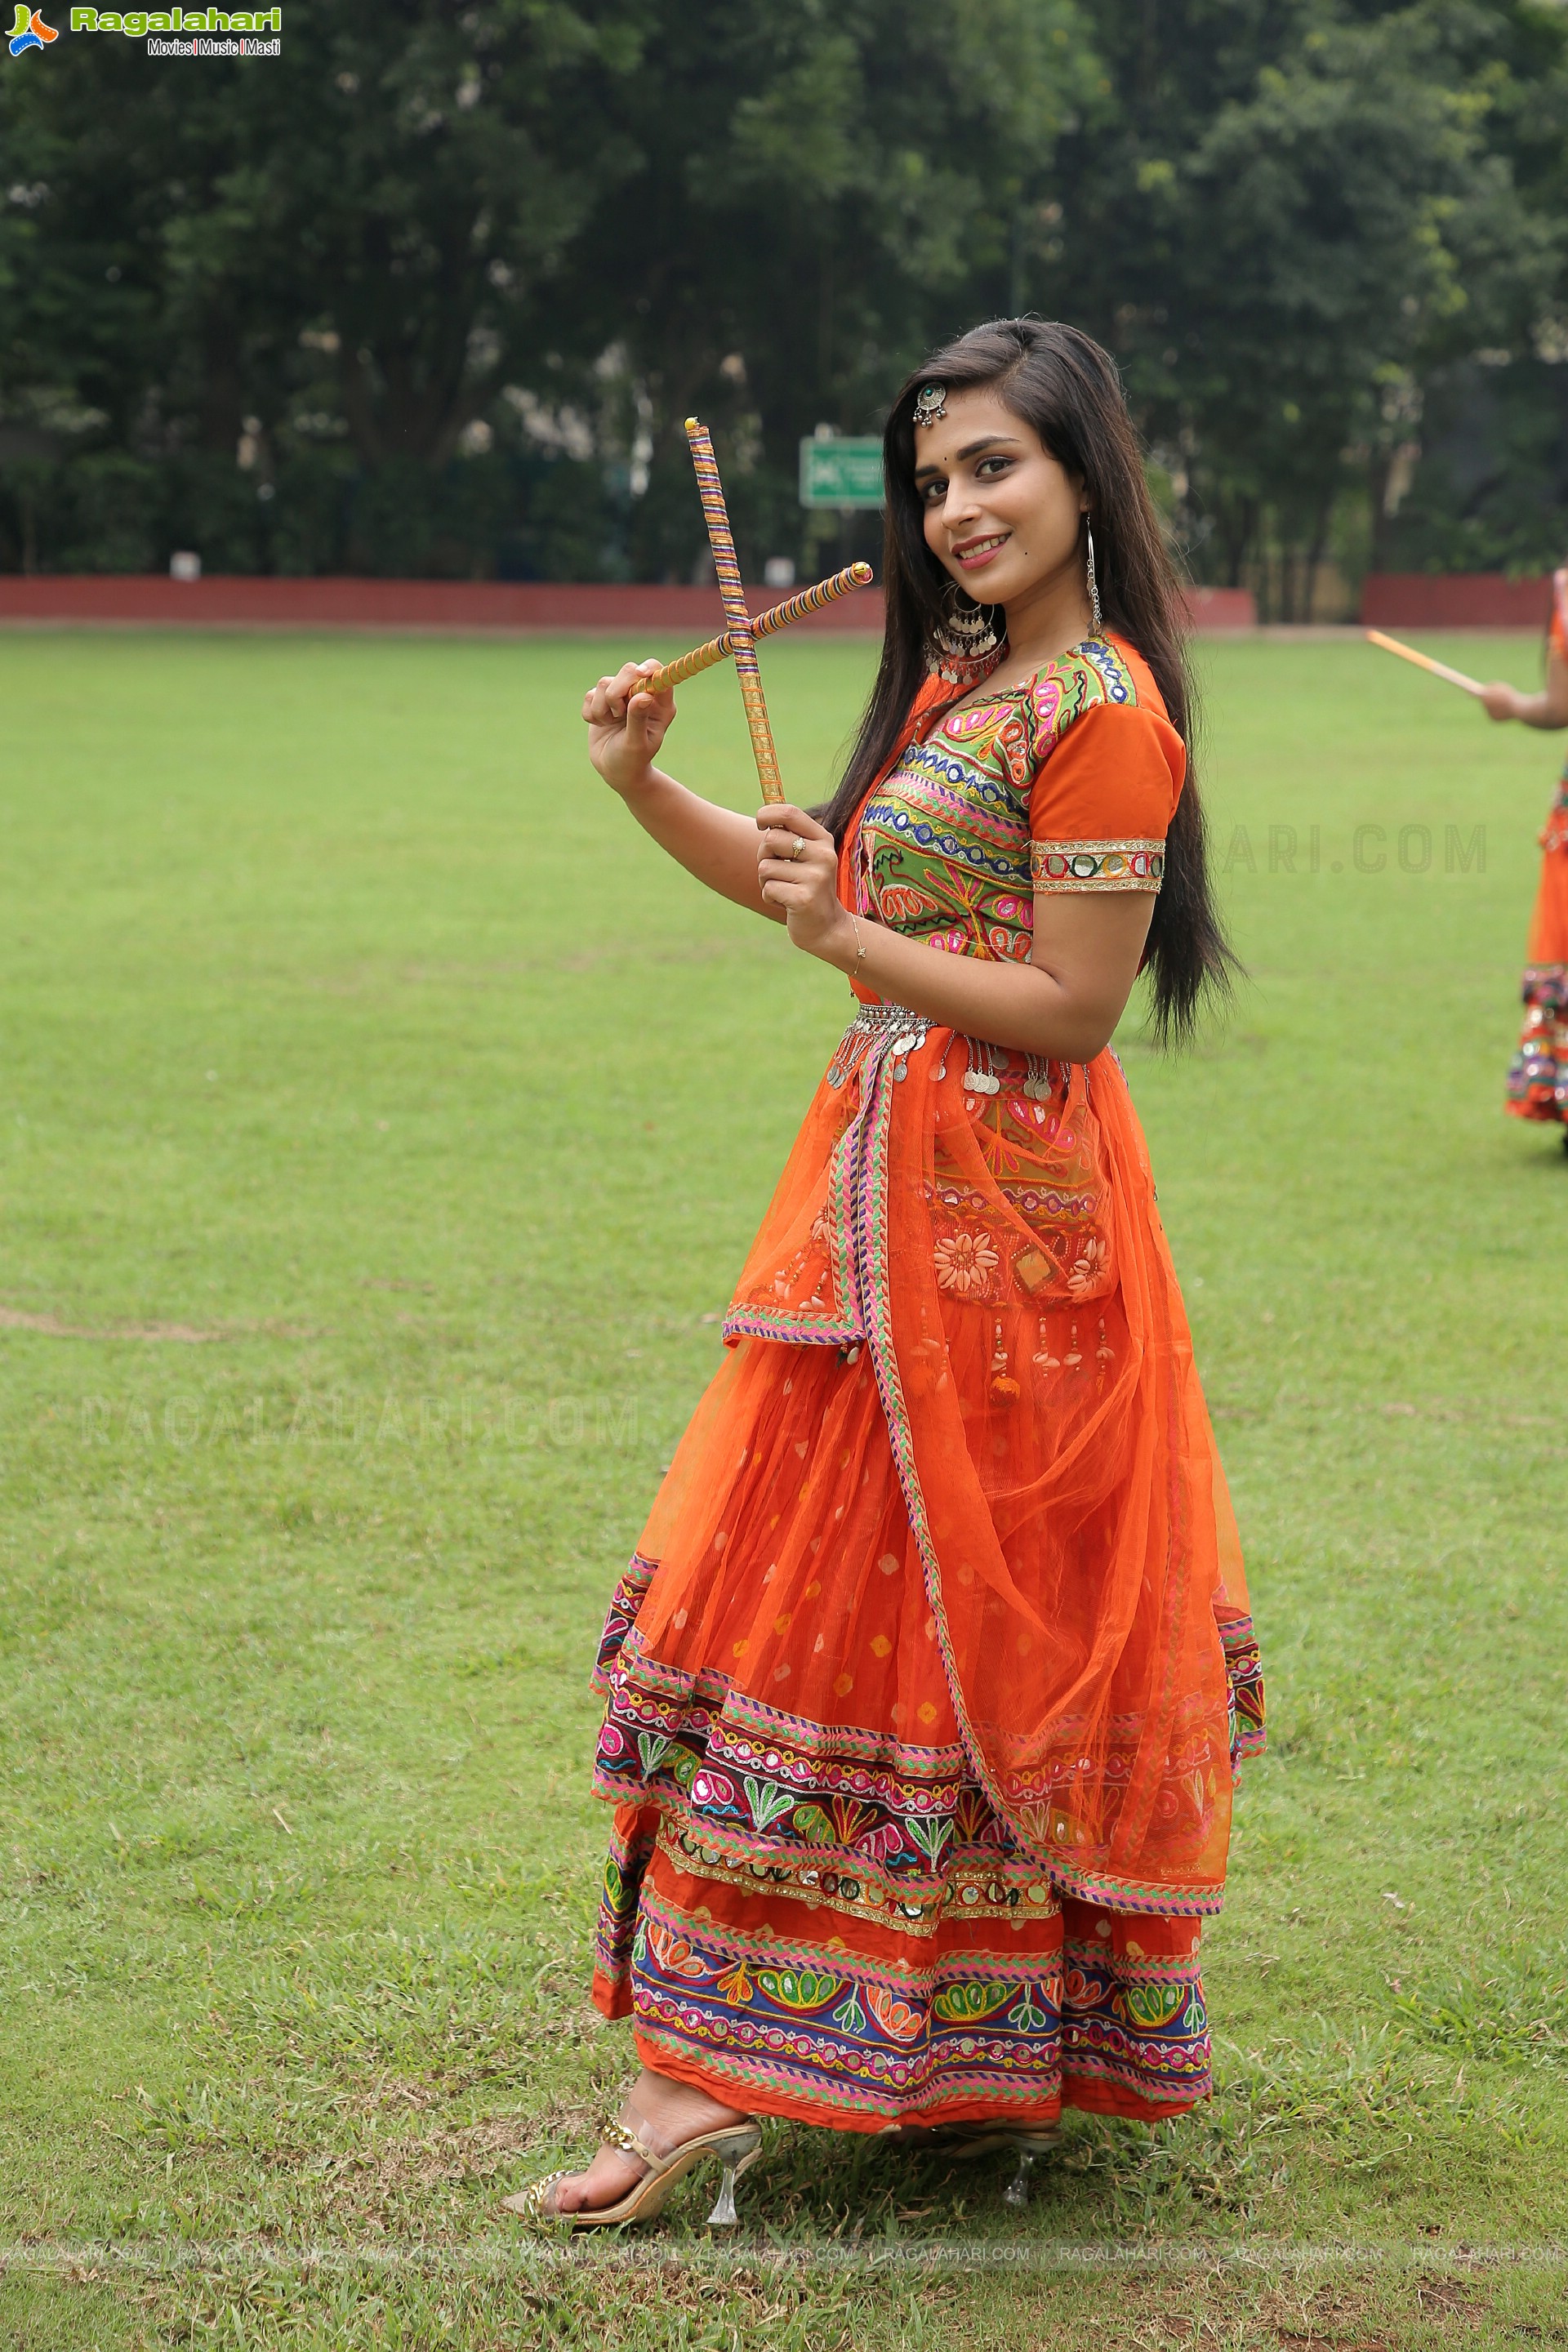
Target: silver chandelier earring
962 638
1093 587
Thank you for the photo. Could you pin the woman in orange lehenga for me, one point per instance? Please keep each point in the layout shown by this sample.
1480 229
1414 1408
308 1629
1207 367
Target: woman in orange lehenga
926 1683
1538 1075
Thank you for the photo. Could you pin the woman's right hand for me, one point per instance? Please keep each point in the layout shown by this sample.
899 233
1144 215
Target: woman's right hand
626 727
1500 700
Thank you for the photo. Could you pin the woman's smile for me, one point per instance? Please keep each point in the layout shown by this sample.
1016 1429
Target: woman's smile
974 552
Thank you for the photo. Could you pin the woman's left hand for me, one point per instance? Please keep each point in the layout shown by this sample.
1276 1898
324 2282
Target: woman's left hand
797 866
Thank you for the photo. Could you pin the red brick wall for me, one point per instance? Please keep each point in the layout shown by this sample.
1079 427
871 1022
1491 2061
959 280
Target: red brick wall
1456 600
231 602
1222 608
688 614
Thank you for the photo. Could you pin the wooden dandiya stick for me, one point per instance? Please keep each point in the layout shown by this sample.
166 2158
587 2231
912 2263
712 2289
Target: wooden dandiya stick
1425 661
740 631
777 616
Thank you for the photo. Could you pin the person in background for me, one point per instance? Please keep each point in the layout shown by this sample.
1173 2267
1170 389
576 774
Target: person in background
1538 1075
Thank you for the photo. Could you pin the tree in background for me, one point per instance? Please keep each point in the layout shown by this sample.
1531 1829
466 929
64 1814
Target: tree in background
1491 489
433 291
821 194
313 276
1288 217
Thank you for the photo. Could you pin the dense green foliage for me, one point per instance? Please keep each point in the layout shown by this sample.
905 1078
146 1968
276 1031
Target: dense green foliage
383 1122
432 291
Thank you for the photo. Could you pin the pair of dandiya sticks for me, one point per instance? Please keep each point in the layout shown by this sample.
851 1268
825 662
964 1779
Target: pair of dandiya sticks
742 632
738 641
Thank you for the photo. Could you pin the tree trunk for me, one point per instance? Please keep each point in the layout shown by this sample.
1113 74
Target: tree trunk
223 383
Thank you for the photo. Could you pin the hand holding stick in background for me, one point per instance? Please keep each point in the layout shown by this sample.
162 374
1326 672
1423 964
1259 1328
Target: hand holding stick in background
1548 708
1425 661
1500 700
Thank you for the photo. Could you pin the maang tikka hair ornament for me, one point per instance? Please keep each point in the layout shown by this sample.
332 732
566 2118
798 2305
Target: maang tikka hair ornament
931 403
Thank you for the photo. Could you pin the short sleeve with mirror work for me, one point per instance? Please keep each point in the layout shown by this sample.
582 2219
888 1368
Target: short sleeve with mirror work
1103 800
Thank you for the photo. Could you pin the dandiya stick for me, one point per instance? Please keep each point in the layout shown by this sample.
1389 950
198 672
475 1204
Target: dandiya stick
777 616
740 631
1425 661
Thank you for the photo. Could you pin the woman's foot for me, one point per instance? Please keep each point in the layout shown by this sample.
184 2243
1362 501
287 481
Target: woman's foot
665 2114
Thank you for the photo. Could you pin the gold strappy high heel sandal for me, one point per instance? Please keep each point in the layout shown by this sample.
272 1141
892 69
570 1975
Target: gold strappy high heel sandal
737 2148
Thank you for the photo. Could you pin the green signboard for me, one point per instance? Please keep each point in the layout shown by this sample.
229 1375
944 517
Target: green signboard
841 473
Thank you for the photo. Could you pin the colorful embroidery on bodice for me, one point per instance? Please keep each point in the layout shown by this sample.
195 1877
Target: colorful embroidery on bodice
943 851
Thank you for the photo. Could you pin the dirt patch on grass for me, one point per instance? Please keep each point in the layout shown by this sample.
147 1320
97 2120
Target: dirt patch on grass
184 1335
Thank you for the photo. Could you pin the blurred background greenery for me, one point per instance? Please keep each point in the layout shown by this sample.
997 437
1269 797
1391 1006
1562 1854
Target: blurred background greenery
430 293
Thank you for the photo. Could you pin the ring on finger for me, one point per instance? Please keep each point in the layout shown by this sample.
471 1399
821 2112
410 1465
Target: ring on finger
799 845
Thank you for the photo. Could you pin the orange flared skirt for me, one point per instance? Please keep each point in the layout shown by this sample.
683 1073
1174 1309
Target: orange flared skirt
926 1683
1538 1075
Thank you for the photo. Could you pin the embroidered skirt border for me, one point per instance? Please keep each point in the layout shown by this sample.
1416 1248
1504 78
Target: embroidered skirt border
799 2027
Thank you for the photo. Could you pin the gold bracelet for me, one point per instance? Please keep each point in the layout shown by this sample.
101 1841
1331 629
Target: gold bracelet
859 947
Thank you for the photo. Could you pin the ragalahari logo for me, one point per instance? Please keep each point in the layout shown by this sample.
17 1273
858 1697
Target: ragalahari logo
29 31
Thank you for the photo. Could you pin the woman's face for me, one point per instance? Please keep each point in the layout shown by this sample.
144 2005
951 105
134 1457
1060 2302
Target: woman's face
1000 513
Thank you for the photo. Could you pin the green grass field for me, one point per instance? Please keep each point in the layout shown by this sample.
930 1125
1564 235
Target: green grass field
382 1123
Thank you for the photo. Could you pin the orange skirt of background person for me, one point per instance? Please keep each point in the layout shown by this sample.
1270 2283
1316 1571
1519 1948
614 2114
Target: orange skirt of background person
1538 1075
926 1683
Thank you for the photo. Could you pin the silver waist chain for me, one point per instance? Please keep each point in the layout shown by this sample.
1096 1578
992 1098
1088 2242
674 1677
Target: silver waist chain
898 1031
891 1028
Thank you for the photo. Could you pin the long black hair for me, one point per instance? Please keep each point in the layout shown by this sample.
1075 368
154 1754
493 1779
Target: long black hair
1062 384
